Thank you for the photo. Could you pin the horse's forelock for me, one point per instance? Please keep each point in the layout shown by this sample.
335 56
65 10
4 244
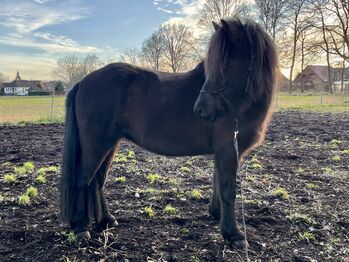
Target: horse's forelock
216 55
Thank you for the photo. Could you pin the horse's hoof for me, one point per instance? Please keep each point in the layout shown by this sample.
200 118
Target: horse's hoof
240 244
83 235
112 223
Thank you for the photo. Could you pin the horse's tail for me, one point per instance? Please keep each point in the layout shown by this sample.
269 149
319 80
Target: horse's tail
70 158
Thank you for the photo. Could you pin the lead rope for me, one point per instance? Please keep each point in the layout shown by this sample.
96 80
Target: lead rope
236 146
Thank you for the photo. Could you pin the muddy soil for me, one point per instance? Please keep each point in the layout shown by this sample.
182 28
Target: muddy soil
296 199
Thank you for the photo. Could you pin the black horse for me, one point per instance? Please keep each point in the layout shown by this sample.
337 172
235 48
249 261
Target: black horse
173 114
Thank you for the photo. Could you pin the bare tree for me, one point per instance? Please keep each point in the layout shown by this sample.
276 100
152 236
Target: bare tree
324 41
152 50
339 28
177 44
71 69
270 13
297 20
130 55
90 63
68 69
214 10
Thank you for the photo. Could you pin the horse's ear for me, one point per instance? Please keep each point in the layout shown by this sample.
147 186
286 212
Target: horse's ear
216 26
225 25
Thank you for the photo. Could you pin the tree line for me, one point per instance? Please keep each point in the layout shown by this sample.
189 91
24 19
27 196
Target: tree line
303 30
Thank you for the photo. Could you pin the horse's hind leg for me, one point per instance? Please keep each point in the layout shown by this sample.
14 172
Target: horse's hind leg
87 202
107 220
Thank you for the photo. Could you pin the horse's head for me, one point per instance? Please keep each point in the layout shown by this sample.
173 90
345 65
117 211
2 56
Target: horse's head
238 55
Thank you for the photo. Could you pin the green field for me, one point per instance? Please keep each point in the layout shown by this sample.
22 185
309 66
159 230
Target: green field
318 103
14 109
17 109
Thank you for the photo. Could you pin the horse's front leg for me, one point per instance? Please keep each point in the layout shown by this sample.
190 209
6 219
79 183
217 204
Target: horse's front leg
226 168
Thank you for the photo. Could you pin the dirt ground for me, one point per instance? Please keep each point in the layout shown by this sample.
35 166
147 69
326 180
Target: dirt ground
296 199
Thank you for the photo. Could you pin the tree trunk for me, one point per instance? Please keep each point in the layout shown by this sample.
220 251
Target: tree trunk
293 56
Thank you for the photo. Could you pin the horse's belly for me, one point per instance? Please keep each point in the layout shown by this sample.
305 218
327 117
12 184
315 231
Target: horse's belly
174 143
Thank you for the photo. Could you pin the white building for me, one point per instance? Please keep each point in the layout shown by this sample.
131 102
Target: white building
20 87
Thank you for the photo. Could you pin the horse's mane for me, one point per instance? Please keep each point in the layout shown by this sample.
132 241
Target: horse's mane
242 34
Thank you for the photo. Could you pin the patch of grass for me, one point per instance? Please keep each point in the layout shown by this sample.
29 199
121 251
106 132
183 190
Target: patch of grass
170 210
41 179
32 191
11 108
41 171
280 193
71 237
184 169
311 185
300 170
334 143
120 158
256 166
336 158
152 178
327 170
189 163
131 154
9 178
308 236
194 259
196 194
19 170
174 182
6 164
345 152
1 198
149 212
302 217
24 200
120 179
29 167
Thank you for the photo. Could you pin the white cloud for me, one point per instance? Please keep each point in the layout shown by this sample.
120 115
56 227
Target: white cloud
23 24
168 11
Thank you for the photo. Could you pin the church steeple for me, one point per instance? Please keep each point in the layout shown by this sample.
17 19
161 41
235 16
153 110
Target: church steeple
18 78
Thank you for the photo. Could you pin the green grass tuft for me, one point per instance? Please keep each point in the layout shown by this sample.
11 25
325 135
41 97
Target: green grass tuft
71 237
120 179
184 169
10 178
170 209
336 158
41 179
32 191
24 200
152 178
196 194
149 212
308 236
280 193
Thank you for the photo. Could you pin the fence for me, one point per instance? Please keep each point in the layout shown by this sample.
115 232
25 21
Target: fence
14 109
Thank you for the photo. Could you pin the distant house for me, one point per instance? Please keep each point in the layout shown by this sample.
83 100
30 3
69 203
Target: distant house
315 77
282 81
21 87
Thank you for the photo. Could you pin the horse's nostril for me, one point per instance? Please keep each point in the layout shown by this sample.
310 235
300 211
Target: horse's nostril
201 112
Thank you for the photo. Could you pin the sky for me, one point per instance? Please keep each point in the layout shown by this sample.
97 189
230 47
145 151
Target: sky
34 33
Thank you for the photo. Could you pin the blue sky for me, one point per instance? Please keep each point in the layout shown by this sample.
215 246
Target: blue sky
34 33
